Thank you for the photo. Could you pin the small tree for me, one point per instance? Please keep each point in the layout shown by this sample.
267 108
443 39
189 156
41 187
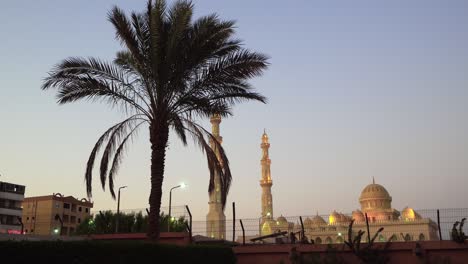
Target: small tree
457 234
368 253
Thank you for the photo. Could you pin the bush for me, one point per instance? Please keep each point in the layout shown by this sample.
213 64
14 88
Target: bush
104 223
115 252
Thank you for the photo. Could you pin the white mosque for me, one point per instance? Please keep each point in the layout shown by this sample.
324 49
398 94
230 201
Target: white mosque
375 201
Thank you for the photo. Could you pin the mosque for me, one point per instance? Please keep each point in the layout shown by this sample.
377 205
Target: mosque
375 202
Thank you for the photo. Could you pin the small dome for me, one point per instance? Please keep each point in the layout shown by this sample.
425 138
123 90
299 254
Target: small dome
409 214
334 217
308 222
281 220
358 216
344 218
266 228
318 220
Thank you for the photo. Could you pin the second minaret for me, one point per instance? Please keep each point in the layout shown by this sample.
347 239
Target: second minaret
266 182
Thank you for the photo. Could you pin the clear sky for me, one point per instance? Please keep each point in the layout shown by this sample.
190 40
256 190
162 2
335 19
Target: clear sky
356 89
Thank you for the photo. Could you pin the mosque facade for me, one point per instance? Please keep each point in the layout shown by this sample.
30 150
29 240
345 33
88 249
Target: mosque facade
375 202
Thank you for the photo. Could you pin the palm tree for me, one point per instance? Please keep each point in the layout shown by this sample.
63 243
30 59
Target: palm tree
172 72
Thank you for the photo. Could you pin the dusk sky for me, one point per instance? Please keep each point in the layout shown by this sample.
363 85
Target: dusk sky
355 89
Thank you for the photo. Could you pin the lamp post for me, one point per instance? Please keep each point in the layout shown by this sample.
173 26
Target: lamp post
118 211
182 185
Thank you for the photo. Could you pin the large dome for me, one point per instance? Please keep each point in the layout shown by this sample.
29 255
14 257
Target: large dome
375 197
374 191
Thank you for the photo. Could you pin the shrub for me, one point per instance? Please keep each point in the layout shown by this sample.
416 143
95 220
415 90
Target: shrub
115 252
457 234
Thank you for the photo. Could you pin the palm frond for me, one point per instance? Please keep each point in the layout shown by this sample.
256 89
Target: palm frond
156 17
179 128
78 78
179 17
118 158
96 148
115 139
125 33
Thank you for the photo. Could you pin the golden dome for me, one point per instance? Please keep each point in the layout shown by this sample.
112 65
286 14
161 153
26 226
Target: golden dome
375 196
374 191
334 217
308 222
281 220
409 214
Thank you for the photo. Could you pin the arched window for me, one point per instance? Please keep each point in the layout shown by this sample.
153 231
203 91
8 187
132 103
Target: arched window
407 237
318 240
328 240
339 240
422 237
381 238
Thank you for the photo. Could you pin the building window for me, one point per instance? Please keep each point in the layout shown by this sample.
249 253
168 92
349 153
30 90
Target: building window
27 218
32 230
79 219
57 205
66 206
79 209
33 218
86 210
25 231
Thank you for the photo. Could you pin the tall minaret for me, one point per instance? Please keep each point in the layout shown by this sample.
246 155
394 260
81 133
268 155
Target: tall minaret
215 219
266 182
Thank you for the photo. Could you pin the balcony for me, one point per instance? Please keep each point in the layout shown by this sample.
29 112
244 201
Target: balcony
13 207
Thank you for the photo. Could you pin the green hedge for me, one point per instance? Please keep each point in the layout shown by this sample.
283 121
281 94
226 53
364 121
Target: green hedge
112 252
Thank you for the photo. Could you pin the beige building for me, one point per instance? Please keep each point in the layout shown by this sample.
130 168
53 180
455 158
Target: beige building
42 214
375 201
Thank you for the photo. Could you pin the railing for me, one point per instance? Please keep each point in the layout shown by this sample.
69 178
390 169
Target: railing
10 207
425 226
428 224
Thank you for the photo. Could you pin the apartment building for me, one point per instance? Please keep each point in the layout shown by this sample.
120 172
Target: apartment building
11 197
54 214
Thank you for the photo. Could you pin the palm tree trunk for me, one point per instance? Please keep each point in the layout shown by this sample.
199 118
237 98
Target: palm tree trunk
159 134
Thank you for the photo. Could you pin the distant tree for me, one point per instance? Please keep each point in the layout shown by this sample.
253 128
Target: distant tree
172 72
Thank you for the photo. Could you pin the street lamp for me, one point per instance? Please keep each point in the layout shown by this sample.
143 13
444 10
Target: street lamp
182 185
118 211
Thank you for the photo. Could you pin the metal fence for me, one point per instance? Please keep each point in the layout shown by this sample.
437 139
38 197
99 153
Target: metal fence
176 211
426 224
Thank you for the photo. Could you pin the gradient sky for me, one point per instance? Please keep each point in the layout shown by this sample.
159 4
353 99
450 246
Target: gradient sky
356 89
